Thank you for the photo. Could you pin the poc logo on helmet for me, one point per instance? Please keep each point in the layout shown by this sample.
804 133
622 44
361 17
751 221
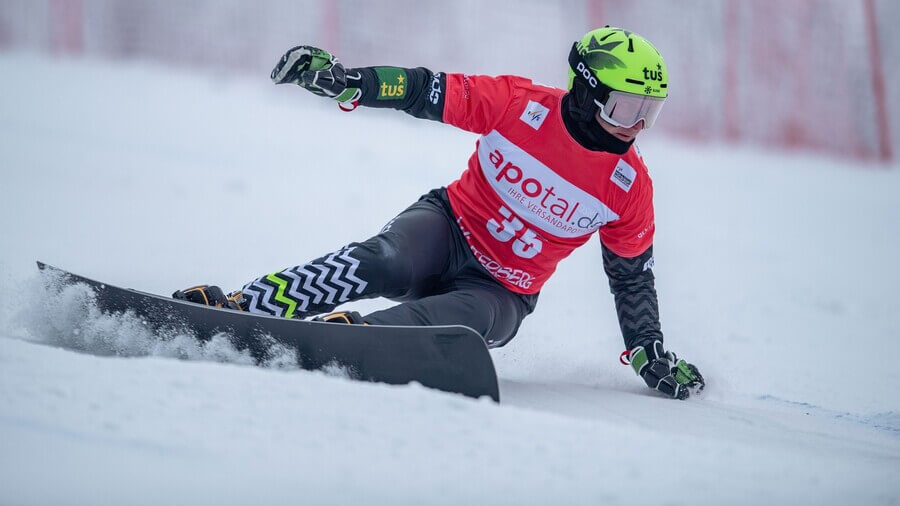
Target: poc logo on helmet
587 74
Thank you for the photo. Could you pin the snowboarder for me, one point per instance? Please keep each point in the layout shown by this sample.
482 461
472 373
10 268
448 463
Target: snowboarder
551 168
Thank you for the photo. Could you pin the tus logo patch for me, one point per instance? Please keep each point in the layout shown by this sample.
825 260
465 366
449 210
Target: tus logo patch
624 175
534 114
392 83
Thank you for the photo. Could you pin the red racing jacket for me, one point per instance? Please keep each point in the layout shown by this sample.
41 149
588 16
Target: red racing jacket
531 194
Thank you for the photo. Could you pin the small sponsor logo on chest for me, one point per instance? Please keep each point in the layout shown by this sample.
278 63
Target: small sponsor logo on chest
624 175
534 114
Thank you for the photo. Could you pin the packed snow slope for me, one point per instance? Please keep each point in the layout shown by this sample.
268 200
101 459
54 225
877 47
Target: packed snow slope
776 276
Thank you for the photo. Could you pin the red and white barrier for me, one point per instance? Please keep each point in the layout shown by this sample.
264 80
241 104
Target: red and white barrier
808 74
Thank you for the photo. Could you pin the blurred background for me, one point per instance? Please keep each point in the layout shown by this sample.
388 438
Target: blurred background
143 144
812 75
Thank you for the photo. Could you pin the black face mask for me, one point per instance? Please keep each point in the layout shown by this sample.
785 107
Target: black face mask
578 116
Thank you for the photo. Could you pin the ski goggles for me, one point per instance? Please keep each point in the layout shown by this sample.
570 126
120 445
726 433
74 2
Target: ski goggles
626 109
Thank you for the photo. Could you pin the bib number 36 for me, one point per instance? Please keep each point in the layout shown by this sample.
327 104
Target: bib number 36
526 243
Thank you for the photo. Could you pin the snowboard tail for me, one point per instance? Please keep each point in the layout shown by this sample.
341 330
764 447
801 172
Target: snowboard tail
450 358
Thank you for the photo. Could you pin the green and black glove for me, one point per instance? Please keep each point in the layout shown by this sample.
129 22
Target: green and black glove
664 371
316 70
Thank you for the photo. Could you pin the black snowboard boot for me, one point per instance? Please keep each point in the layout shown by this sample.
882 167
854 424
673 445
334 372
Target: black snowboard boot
211 296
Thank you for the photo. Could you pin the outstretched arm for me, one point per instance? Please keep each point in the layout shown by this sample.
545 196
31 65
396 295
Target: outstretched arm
417 91
472 103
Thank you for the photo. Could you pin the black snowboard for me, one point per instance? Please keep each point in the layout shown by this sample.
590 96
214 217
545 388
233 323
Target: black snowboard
450 358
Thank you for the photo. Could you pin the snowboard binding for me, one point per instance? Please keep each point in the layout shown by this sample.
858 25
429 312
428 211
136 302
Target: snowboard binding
211 295
345 317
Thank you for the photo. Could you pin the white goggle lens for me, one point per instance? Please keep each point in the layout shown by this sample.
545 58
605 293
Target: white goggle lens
626 109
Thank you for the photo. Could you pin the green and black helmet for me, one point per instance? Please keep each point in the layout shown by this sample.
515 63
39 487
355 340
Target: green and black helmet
619 73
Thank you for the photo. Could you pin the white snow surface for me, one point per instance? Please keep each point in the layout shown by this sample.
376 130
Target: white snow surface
776 273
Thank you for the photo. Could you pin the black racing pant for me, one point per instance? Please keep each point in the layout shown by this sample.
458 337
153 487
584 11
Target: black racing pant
420 259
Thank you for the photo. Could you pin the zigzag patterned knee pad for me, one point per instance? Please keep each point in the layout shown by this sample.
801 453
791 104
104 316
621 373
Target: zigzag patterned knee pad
315 287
